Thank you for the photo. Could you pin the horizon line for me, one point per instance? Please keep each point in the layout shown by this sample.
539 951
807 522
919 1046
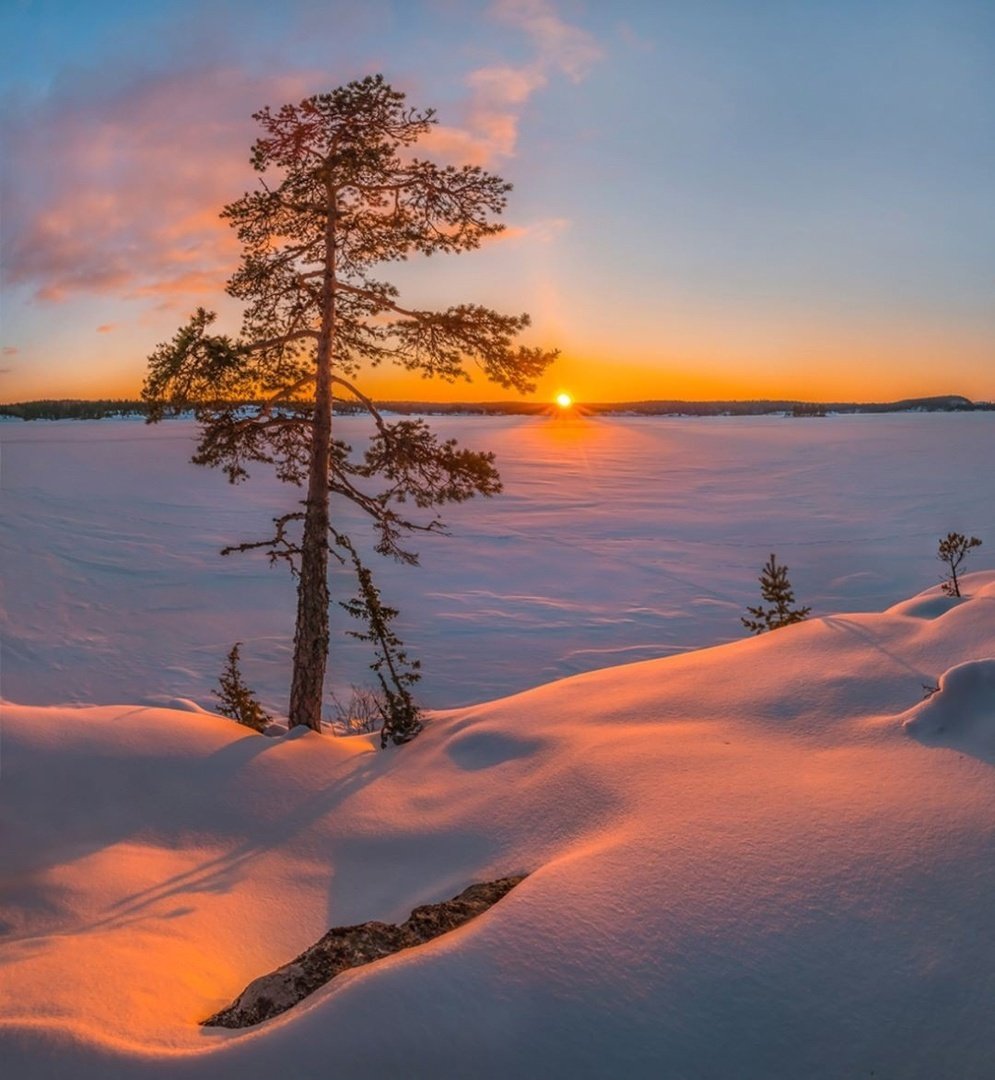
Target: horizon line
542 403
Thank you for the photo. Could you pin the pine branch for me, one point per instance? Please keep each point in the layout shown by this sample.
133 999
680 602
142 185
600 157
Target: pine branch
279 546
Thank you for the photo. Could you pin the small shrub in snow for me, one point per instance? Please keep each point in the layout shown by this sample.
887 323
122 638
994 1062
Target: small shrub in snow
362 714
952 551
776 589
237 701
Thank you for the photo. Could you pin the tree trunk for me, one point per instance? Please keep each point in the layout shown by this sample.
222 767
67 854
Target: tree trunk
311 636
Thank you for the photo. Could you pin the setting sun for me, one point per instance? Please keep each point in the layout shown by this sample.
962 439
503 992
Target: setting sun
564 400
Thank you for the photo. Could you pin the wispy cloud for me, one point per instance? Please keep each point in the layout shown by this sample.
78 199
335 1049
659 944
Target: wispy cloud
499 93
10 350
121 193
116 190
543 231
560 46
106 328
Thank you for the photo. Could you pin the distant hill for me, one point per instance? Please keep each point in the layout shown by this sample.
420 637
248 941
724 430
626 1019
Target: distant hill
74 409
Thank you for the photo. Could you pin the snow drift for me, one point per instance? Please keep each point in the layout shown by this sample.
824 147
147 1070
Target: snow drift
744 861
961 711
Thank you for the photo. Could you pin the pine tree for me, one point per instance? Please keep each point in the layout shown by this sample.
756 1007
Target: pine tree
776 589
342 193
238 702
953 550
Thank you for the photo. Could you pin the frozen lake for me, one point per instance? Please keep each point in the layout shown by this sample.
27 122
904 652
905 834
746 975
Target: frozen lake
616 539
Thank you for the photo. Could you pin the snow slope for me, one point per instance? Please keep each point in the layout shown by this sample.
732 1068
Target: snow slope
767 859
615 539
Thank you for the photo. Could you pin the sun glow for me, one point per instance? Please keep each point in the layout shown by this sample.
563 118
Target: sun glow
564 400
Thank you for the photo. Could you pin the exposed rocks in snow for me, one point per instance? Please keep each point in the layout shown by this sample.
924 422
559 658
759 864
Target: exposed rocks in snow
345 947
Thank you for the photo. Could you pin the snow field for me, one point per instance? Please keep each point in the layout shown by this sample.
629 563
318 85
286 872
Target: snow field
615 539
770 858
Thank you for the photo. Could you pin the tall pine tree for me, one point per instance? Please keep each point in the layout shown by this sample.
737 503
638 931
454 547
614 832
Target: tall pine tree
341 193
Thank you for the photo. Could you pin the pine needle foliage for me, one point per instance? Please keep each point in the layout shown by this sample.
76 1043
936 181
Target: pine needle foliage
341 193
953 549
395 672
776 589
238 702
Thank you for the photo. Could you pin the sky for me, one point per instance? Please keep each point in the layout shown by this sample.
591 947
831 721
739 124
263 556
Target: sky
712 198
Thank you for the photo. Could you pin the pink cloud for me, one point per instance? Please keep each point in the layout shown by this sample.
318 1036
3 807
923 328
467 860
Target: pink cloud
498 94
122 195
119 192
560 46
505 85
543 231
106 328
10 350
457 145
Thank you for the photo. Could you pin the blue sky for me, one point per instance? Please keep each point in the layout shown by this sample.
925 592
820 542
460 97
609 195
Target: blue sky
711 199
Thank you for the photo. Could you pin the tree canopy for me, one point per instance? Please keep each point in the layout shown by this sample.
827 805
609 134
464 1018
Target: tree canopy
341 193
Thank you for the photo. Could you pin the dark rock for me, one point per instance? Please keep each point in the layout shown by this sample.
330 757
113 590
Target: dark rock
431 920
345 947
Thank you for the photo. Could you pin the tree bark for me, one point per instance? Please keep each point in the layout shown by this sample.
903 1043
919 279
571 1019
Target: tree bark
311 636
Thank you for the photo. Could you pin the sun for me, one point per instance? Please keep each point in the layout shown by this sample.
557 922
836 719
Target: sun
564 400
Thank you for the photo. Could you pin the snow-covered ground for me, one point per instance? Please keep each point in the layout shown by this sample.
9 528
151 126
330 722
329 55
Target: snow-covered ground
770 859
616 539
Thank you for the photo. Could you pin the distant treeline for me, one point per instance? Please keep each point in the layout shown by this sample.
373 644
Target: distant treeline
72 409
98 410
947 403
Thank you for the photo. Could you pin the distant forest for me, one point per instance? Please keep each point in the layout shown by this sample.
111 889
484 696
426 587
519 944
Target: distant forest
99 410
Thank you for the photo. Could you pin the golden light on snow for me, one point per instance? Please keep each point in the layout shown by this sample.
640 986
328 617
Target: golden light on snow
564 400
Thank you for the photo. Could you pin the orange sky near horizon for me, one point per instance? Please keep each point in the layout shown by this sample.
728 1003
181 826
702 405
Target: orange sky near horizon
711 202
700 363
863 378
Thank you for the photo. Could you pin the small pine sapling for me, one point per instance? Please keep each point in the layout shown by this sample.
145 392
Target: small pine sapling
394 671
238 702
776 589
952 551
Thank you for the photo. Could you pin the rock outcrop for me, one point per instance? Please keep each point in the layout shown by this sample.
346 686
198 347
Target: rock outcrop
345 947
